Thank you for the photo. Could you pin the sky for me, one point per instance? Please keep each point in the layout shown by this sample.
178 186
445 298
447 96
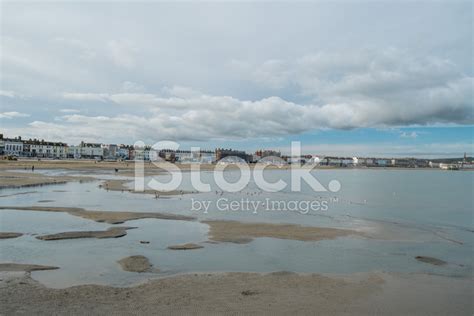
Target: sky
385 78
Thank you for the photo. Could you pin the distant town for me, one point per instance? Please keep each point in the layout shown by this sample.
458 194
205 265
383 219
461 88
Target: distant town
17 147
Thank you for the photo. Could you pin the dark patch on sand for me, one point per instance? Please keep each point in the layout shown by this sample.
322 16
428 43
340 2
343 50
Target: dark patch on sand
100 216
7 235
431 260
113 232
136 264
24 267
19 193
188 246
241 233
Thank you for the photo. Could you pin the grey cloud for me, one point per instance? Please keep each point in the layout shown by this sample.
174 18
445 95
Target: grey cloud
10 115
219 72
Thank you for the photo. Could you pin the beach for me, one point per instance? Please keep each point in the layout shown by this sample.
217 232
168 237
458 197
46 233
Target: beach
75 239
279 293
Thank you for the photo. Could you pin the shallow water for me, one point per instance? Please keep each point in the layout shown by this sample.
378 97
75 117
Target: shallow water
422 212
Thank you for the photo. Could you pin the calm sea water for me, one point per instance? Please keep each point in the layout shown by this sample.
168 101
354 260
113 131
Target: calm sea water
414 212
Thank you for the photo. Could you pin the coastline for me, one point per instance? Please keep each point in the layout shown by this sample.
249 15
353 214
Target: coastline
248 293
374 292
127 167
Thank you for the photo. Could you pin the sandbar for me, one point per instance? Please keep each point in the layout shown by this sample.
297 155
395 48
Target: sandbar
7 235
30 179
239 232
113 232
136 264
248 293
101 216
24 267
188 246
120 185
431 260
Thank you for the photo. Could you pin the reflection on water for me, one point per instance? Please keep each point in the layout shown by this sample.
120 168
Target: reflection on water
419 212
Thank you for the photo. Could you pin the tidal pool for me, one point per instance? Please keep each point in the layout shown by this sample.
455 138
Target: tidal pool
415 211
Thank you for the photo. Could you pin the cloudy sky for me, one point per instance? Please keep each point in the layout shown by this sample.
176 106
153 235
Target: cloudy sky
385 78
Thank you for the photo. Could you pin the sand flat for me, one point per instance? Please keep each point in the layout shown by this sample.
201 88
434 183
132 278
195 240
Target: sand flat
24 267
31 179
113 232
136 264
431 260
239 232
8 235
120 185
101 216
188 246
249 293
127 168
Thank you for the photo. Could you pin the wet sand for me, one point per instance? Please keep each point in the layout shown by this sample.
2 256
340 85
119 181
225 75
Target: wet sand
188 246
24 267
18 193
136 264
101 216
113 232
120 185
7 235
431 260
279 293
127 168
220 231
239 232
24 179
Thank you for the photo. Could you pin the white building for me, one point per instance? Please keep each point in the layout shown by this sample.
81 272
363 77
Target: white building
91 150
86 151
12 146
449 166
42 149
74 152
146 153
315 160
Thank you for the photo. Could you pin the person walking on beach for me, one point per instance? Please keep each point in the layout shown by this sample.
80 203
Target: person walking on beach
33 168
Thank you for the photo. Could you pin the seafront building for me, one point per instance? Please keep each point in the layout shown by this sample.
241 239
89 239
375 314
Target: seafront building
12 148
86 151
231 154
44 149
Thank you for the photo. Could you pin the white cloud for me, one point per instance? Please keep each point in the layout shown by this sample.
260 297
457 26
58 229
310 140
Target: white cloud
8 94
197 116
367 88
79 47
123 52
133 87
85 96
10 115
249 71
69 111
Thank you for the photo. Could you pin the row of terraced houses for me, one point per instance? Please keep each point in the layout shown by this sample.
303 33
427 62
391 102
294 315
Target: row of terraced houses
34 148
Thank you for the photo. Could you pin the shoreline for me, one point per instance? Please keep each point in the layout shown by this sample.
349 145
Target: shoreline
246 292
128 167
17 180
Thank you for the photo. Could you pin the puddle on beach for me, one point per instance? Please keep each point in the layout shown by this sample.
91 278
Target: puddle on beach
408 204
